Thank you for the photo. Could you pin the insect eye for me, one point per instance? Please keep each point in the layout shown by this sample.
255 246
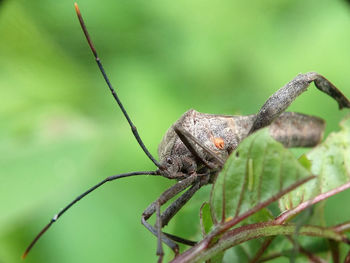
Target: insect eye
169 160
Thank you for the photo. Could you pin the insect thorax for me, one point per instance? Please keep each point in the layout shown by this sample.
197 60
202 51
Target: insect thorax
220 133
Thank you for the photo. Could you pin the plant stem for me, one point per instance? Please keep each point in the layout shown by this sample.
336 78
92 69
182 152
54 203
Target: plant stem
239 235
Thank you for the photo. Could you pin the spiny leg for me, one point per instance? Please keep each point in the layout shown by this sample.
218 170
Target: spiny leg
57 216
163 219
152 208
180 239
169 213
280 100
164 238
160 251
172 209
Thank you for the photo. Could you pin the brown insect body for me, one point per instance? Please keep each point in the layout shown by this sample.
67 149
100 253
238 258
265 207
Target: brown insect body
223 133
173 152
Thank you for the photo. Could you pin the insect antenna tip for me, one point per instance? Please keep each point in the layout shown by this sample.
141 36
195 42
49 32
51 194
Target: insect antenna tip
24 254
77 8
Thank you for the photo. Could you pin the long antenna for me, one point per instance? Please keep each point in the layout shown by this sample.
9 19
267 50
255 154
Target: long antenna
98 61
57 216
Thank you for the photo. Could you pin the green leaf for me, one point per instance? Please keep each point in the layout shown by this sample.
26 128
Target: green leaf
330 161
205 219
206 226
257 170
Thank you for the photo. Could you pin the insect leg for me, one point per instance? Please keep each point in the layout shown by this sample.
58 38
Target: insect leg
280 100
163 219
180 239
160 251
152 208
169 213
57 216
190 141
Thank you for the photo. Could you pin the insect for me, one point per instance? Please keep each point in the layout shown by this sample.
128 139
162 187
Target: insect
195 147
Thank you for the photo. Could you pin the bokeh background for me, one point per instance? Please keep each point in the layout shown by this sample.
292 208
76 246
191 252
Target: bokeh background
61 132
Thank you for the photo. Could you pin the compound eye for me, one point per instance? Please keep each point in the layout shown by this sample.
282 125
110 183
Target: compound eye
169 160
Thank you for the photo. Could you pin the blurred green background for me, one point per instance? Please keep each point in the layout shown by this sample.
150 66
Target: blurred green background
61 132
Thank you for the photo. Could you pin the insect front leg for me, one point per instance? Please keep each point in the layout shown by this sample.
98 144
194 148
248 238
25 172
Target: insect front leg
152 208
172 209
280 100
167 215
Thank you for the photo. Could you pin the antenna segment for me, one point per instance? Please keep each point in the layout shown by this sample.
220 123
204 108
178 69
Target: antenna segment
98 61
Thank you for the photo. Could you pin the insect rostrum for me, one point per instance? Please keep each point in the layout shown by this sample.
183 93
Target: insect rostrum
195 147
